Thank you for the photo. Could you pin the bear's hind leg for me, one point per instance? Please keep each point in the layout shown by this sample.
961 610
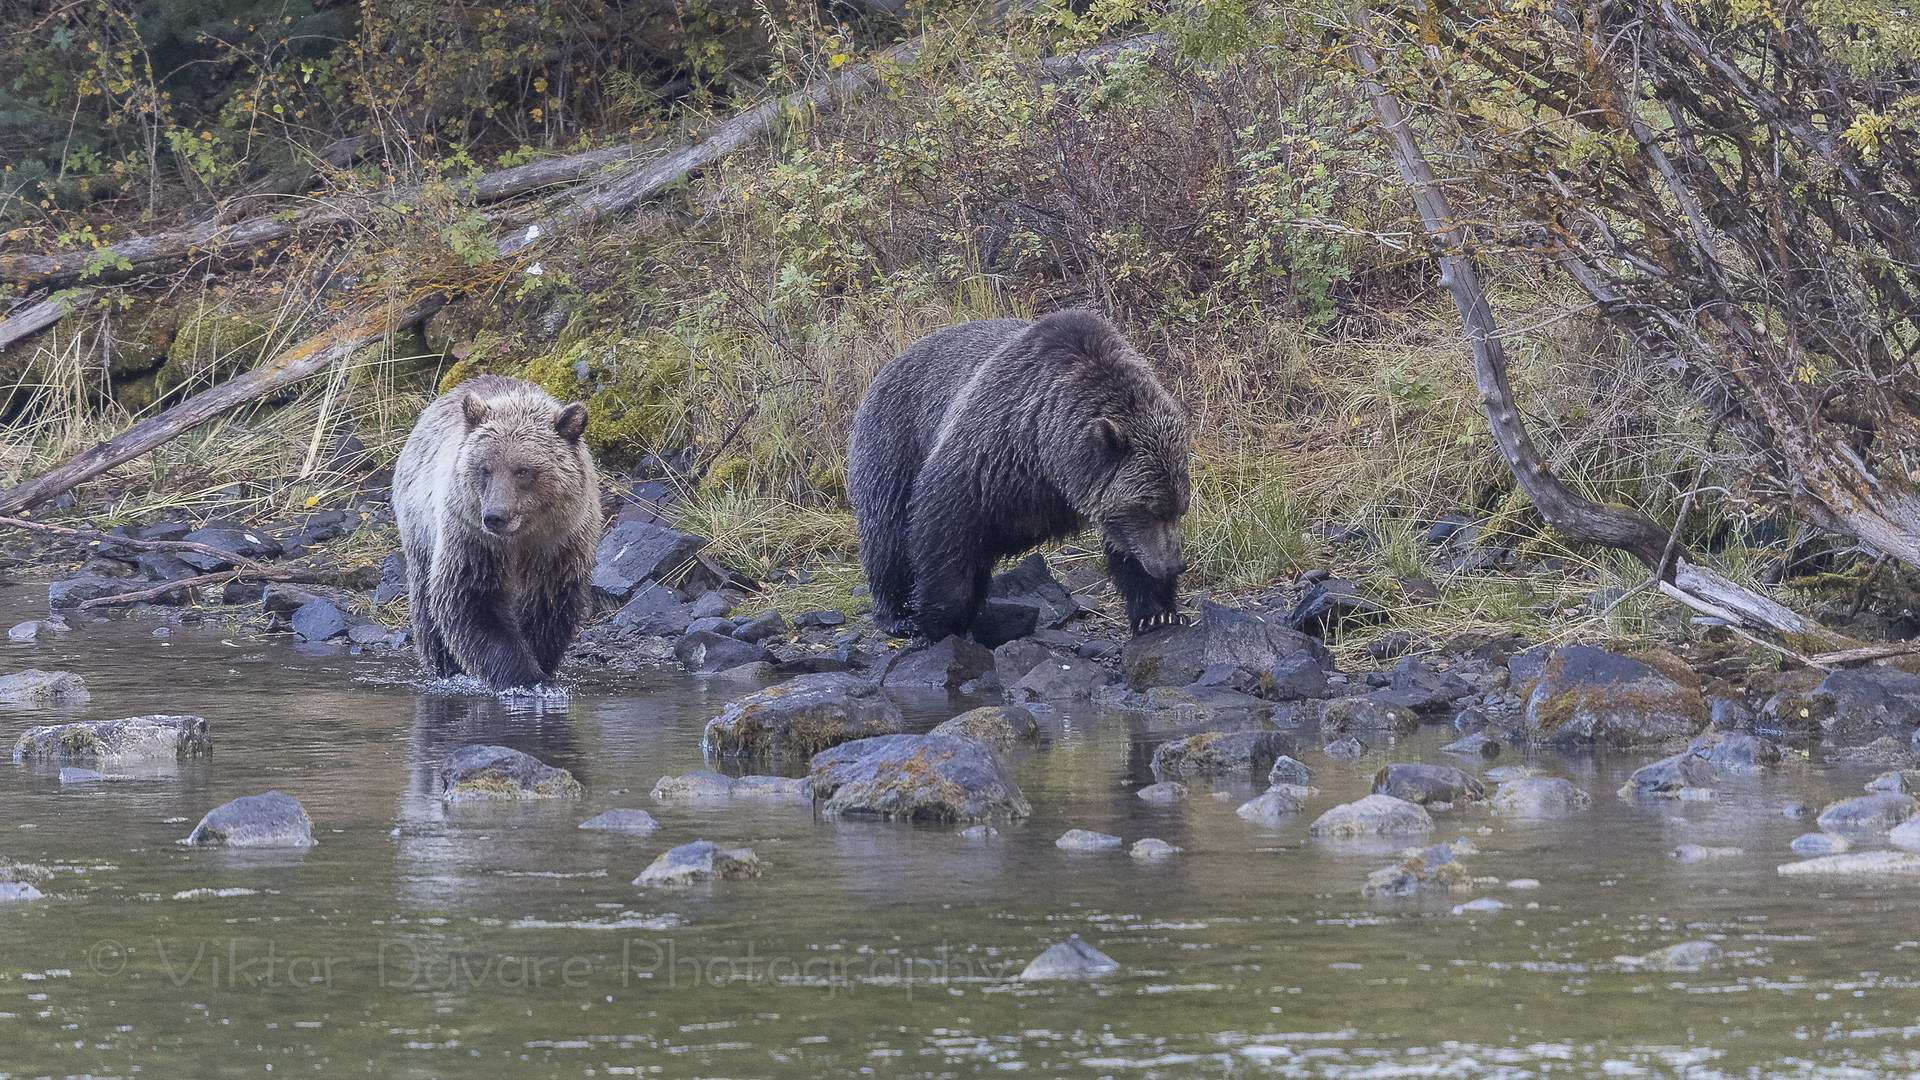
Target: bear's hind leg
1151 601
885 547
951 568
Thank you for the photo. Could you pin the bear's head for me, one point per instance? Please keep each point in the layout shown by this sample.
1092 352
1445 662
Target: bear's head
522 465
1143 456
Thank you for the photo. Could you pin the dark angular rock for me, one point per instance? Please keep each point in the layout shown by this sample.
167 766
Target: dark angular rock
318 620
1378 711
996 725
77 590
1070 959
1176 656
393 579
1860 704
481 773
1216 752
1014 659
916 777
1668 775
712 624
1736 754
1001 621
1528 665
1060 679
1876 813
163 566
634 552
1589 695
712 604
1324 607
822 618
654 609
1299 677
1448 526
36 687
1425 689
946 663
1098 649
1474 745
704 652
1231 677
368 634
801 717
1030 584
283 599
702 860
1287 770
1276 805
769 623
1425 784
1211 704
269 820
135 738
1375 815
1345 749
240 539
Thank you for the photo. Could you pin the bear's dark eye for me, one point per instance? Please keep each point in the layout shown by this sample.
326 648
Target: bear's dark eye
522 473
486 474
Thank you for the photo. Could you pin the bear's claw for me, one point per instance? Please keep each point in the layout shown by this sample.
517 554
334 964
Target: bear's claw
1156 622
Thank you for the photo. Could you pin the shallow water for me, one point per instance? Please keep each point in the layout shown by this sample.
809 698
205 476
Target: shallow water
423 940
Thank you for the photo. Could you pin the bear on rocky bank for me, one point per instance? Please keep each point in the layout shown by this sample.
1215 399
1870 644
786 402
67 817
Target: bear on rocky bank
990 438
498 505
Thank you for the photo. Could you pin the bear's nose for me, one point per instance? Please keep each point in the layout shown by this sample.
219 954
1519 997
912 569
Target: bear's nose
494 520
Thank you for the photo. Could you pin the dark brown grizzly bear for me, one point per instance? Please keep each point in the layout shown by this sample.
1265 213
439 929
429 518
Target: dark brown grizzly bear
498 505
985 440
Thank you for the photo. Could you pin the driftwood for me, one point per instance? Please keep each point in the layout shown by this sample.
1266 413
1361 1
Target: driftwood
294 575
88 536
364 327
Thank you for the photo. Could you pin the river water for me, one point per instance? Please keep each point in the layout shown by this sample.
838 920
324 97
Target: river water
421 940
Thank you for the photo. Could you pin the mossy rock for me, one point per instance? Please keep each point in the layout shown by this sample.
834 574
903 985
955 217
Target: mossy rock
142 334
212 345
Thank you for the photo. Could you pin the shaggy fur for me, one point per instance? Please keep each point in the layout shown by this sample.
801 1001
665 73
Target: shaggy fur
988 439
498 507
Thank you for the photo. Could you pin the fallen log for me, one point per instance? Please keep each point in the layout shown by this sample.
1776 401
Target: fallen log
37 317
364 327
289 575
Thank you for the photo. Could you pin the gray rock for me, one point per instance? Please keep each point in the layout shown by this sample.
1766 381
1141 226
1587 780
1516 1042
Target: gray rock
712 604
1539 796
1164 793
1347 748
368 634
1876 813
946 663
1087 840
916 777
1276 805
705 652
1098 649
1469 719
1206 704
77 590
1670 774
318 620
1424 689
1060 679
71 775
796 789
1015 658
698 784
228 536
1286 770
655 609
1368 713
283 599
712 624
36 687
1888 863
1737 754
1904 835
1375 815
393 580
825 617
769 623
1152 848
1436 867
482 773
1177 656
1299 677
32 629
134 738
18 890
759 671
637 822
1826 843
1425 784
1217 752
978 832
702 860
1476 745
1528 665
1031 584
1727 714
1589 695
634 552
1325 606
801 717
998 726
1692 853
269 820
1686 956
1857 704
1070 959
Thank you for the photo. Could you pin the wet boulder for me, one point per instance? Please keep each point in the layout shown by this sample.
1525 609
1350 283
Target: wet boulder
1220 752
36 687
773 788
1087 840
135 738
1416 685
1426 784
269 820
1436 867
83 587
243 540
1539 796
318 620
1031 585
1060 679
1345 748
1070 959
999 726
1860 704
1686 956
393 580
769 623
698 784
1276 805
1737 754
801 717
1014 659
945 664
702 860
634 552
1164 793
1876 813
705 652
1179 655
481 773
1589 695
1826 843
1375 815
1367 713
1288 770
1000 621
1152 849
916 777
621 820
1670 774
1298 677
1206 704
1474 745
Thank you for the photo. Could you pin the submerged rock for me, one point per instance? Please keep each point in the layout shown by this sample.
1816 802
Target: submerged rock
1286 770
702 860
1876 813
1436 867
622 820
1368 713
1152 848
1276 805
135 738
1345 749
1691 853
801 717
998 726
1474 745
1859 862
1070 959
36 687
1164 793
1737 754
482 773
1589 695
1484 905
1826 843
698 784
1087 840
916 777
269 820
1206 704
1539 796
1425 784
1686 956
1221 752
978 832
1375 815
1669 775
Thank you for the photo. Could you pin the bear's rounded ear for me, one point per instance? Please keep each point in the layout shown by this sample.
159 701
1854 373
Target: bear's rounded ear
474 409
1110 436
572 422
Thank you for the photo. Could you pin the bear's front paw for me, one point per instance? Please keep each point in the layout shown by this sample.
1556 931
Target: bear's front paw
1158 621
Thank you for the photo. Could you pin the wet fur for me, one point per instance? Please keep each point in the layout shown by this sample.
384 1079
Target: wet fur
501 608
988 439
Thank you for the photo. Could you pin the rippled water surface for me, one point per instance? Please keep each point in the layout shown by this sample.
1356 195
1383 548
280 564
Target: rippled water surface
422 940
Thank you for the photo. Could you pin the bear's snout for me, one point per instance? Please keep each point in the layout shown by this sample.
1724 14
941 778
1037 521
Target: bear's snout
495 521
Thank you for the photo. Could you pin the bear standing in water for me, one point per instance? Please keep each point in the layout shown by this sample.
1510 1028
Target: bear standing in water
498 505
988 439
